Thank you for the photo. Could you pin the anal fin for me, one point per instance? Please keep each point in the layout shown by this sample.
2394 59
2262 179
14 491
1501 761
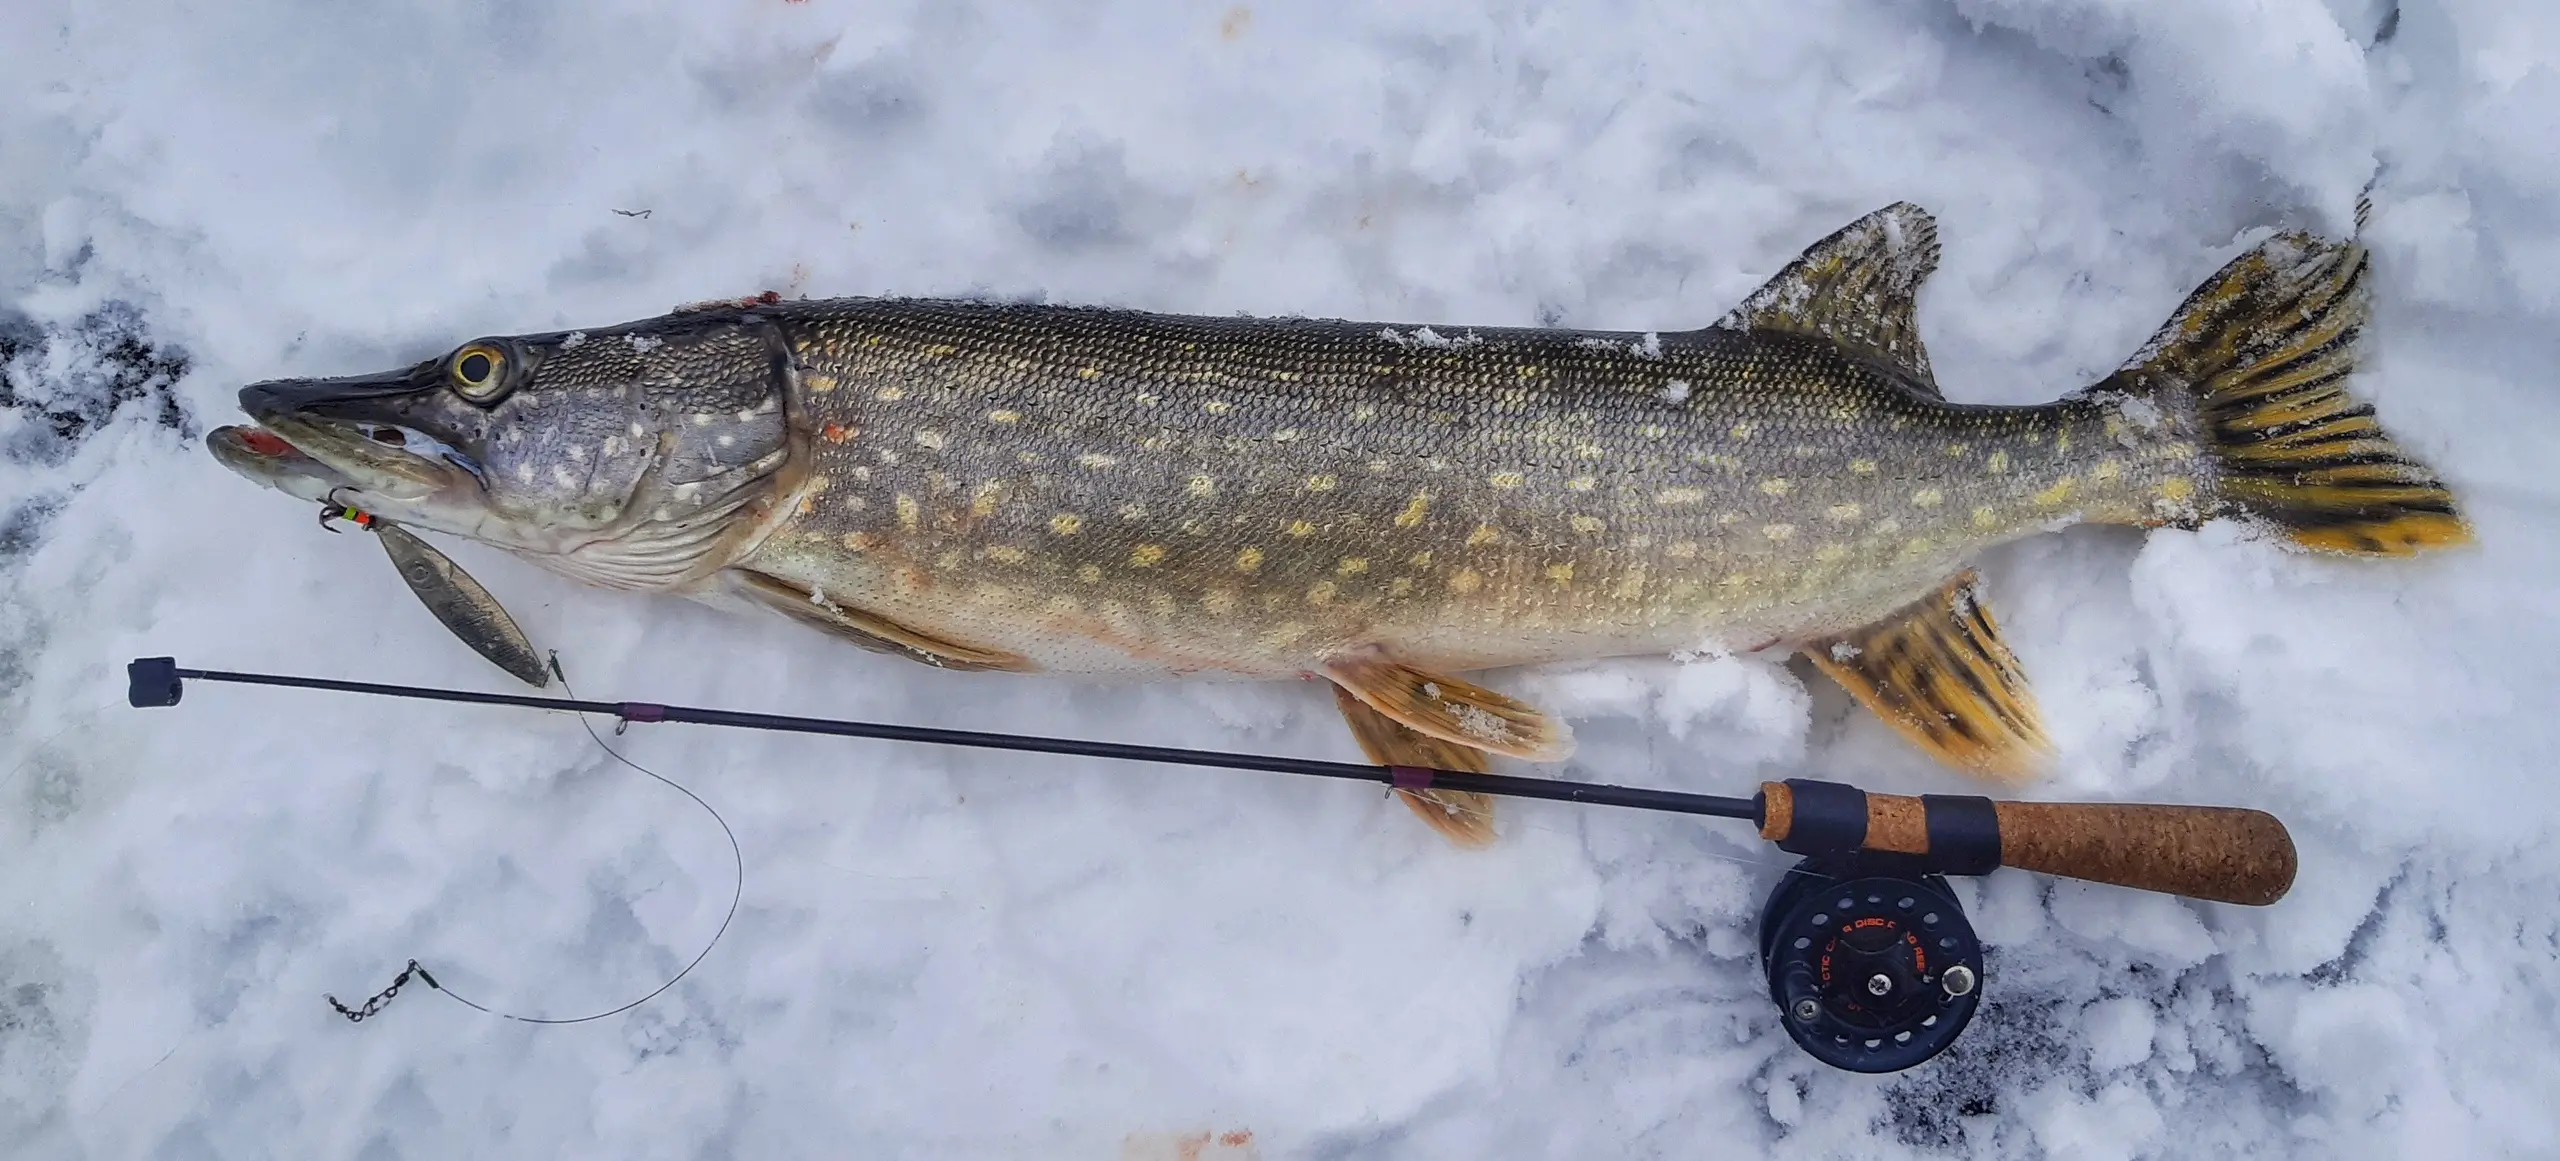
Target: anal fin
1451 710
1464 817
870 630
1938 672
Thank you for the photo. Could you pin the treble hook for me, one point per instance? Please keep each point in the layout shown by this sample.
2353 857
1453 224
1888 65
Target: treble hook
331 511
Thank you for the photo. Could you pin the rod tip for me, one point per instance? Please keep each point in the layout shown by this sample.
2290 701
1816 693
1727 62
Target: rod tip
152 681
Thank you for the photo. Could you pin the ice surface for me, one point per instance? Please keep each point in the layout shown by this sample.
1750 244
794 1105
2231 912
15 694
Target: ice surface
951 954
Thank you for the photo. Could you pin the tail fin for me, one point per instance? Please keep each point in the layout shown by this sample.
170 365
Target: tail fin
2264 348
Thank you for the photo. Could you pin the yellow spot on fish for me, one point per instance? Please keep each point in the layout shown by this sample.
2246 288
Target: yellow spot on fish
858 541
1676 496
1249 560
1066 524
1096 460
1300 528
908 512
1285 435
1146 555
1927 498
990 496
1631 585
1088 372
1090 574
890 394
1352 566
1653 431
1561 573
1005 554
1681 549
1998 463
1483 535
1778 531
1831 553
929 439
2058 494
1727 519
1743 429
1321 483
1986 518
1581 483
1202 486
1776 485
1065 605
1843 512
1400 586
1887 526
1507 479
1957 450
1588 524
939 351
1844 414
1465 580
1528 371
1421 559
1363 413
1217 407
1589 451
1414 510
818 384
2177 488
1148 398
1320 593
1863 467
2107 470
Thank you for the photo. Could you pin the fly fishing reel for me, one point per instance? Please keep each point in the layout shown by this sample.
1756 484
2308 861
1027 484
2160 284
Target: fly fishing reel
1871 961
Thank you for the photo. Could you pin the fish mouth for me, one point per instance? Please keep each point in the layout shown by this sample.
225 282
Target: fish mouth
342 440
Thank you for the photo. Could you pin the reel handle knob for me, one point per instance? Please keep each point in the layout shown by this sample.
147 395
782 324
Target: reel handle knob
2219 853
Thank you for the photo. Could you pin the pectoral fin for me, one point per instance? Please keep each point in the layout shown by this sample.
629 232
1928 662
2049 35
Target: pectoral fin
871 631
1465 817
1938 672
1451 710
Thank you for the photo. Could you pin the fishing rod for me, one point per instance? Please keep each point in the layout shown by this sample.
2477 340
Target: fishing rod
1866 949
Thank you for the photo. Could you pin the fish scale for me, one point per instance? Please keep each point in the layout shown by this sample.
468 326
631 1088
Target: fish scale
1387 491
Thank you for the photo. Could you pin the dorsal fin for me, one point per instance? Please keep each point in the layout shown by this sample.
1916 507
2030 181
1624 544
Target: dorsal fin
1857 288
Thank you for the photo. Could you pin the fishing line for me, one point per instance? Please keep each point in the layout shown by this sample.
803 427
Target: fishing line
737 891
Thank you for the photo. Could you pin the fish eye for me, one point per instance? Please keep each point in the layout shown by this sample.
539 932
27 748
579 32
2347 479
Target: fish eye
479 373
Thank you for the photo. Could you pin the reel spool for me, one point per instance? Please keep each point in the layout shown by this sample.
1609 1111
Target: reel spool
1871 961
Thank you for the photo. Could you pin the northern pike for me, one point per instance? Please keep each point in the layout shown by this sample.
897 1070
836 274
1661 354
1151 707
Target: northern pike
1089 491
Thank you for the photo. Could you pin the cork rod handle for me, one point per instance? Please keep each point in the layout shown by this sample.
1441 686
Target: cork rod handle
2224 854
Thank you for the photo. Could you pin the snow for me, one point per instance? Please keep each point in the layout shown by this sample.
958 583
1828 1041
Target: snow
958 954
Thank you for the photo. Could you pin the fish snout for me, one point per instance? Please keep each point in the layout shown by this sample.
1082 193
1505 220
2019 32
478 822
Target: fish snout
351 397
